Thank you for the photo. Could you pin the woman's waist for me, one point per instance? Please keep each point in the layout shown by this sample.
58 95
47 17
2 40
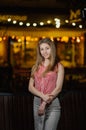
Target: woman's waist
55 102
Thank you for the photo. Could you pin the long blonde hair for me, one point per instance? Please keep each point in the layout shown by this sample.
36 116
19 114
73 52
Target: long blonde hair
40 59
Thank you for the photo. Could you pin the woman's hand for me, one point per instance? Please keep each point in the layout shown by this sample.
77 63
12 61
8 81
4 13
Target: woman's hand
45 97
51 97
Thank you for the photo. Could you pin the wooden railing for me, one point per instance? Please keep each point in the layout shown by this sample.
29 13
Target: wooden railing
16 111
73 115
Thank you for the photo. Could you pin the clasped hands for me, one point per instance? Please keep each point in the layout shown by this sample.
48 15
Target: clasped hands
47 98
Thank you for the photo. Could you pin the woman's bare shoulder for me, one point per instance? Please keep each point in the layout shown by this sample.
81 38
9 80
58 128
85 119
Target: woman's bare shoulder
60 66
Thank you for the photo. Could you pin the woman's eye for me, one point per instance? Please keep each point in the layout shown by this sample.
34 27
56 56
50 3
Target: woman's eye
47 48
41 49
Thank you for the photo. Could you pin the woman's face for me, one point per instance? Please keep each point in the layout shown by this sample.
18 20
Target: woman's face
45 50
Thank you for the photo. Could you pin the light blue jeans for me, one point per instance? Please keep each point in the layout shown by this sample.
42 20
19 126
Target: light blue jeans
50 119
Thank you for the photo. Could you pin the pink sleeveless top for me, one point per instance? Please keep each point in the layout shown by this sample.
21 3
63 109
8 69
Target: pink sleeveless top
46 83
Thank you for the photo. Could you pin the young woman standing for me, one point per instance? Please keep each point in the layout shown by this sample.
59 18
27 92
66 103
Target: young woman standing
45 84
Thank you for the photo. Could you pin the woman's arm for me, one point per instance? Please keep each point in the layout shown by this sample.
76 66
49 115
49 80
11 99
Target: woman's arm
35 92
59 82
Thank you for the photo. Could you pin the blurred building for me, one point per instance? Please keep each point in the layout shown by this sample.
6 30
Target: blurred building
23 23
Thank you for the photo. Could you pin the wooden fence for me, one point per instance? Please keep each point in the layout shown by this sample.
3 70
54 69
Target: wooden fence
16 111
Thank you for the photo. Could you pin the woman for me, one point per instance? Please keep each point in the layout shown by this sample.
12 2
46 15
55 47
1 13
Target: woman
45 84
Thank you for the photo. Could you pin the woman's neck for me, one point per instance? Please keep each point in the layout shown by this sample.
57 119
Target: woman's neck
46 62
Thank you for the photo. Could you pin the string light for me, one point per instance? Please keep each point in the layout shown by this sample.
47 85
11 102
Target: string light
49 21
74 24
34 24
14 22
20 23
27 24
56 22
41 23
66 21
80 26
9 19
